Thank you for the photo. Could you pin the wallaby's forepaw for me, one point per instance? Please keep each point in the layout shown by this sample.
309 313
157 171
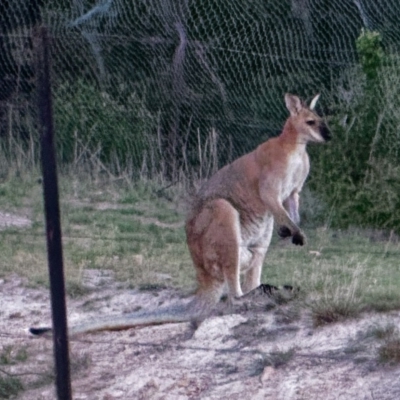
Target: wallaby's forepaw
299 239
284 232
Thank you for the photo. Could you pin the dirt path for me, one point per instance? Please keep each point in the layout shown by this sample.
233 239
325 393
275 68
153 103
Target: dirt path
253 355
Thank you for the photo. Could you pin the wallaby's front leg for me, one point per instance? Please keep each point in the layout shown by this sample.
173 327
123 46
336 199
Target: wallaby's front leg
291 205
288 225
283 219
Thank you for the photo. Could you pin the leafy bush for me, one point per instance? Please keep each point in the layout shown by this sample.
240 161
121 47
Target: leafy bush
370 52
89 122
358 174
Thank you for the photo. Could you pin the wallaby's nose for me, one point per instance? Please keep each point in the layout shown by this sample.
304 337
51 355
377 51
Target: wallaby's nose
325 133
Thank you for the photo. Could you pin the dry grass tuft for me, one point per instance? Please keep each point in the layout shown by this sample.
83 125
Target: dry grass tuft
389 351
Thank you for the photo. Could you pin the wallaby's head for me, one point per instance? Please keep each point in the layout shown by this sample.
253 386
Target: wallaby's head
309 126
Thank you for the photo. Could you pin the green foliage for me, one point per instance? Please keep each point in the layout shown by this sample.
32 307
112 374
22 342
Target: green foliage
90 123
361 164
334 310
370 52
179 97
10 386
10 355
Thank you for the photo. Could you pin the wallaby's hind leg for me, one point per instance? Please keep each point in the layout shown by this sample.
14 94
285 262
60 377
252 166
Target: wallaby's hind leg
221 245
213 237
252 277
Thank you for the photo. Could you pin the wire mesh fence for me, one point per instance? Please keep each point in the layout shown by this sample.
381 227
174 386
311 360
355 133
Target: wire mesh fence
156 87
173 90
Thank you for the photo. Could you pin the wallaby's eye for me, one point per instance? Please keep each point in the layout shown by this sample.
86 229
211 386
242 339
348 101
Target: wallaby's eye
311 122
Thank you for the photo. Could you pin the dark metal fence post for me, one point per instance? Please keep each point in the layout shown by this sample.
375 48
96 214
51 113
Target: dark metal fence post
52 214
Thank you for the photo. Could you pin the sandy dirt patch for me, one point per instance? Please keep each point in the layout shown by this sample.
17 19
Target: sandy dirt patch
12 220
262 354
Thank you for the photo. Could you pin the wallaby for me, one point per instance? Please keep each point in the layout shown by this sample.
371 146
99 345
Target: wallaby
230 224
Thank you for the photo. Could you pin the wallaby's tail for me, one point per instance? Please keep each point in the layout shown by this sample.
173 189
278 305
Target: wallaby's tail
193 311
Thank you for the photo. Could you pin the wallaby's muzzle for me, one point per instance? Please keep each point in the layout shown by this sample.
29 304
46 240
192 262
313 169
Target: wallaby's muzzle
325 132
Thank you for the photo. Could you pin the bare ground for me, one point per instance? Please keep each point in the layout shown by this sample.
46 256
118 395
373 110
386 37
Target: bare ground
270 352
266 350
8 219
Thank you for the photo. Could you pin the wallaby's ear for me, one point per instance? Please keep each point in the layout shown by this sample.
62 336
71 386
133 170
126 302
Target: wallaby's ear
314 102
293 104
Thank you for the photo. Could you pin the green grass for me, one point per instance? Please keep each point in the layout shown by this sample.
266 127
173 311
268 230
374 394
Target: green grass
133 231
10 355
389 348
103 228
342 272
10 386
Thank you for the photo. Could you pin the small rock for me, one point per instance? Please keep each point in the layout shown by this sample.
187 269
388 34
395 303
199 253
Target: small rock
267 374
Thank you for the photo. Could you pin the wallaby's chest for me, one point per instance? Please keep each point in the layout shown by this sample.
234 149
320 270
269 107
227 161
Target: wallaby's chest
296 172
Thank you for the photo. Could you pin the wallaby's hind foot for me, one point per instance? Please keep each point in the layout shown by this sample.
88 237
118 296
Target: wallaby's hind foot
265 297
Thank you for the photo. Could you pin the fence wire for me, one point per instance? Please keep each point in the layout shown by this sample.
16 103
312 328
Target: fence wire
149 82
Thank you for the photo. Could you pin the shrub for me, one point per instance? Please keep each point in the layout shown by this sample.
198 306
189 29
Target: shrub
358 174
89 122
